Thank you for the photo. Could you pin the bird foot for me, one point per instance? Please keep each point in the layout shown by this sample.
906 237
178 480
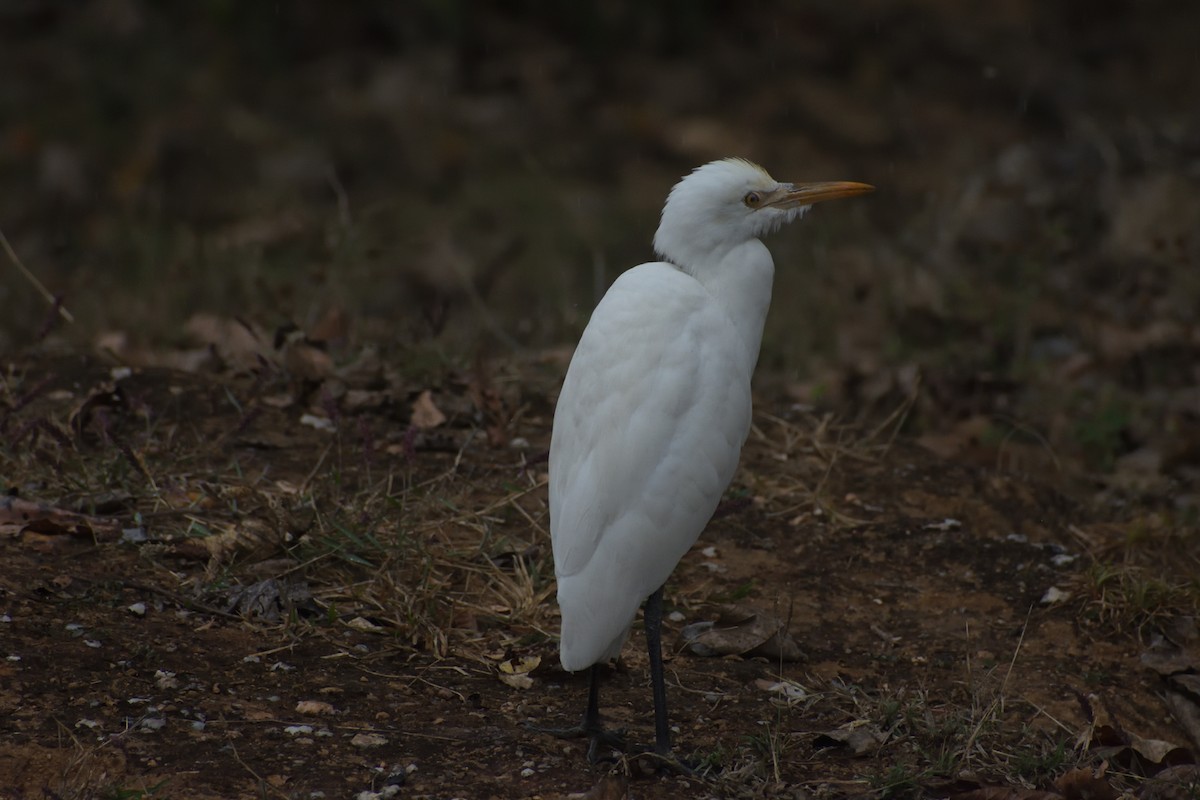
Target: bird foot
651 762
598 737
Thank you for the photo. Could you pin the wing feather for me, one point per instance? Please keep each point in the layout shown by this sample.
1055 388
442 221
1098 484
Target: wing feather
647 433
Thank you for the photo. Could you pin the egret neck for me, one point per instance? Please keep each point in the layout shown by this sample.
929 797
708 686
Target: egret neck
739 282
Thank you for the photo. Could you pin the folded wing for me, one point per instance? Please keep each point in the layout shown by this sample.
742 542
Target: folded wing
646 439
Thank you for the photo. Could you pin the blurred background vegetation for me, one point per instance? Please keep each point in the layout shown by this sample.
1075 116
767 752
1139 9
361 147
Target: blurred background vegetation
467 178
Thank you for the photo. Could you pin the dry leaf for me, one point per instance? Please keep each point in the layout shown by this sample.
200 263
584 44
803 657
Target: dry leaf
364 625
1173 783
610 787
788 689
1166 658
244 347
516 674
1007 793
18 516
1183 705
1083 784
425 414
523 665
860 736
306 362
521 681
1133 752
250 538
741 630
270 599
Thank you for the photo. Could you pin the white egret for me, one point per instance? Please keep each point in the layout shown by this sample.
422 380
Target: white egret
655 409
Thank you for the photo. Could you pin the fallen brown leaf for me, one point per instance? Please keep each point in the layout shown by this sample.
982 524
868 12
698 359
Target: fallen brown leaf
861 737
1173 783
1007 793
610 787
425 414
1083 784
741 630
243 346
306 362
18 516
250 538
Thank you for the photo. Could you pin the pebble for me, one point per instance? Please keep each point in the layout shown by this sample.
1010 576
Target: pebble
1054 595
368 740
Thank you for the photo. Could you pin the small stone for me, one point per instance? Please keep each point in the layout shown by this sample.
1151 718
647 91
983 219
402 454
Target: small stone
133 535
137 609
368 740
313 707
1054 595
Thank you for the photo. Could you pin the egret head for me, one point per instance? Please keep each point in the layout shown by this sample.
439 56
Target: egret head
725 203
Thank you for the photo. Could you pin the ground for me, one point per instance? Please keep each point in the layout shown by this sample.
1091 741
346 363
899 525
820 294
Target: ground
274 449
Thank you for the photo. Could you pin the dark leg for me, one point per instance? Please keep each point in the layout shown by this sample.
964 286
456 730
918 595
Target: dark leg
591 716
597 735
662 725
662 728
590 726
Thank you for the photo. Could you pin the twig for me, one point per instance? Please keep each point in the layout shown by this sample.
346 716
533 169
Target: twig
263 785
308 478
339 192
50 298
178 599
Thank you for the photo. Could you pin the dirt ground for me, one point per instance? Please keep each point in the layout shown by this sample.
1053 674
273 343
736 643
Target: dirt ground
274 520
915 587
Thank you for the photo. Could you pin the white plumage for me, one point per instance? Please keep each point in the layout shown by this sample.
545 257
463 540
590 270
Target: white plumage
646 438
656 402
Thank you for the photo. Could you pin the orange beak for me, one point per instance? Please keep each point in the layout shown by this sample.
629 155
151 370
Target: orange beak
805 194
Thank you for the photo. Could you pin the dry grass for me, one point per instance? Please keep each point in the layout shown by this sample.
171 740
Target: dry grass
457 563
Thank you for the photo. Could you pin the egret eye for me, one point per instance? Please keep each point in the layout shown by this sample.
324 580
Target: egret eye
752 199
